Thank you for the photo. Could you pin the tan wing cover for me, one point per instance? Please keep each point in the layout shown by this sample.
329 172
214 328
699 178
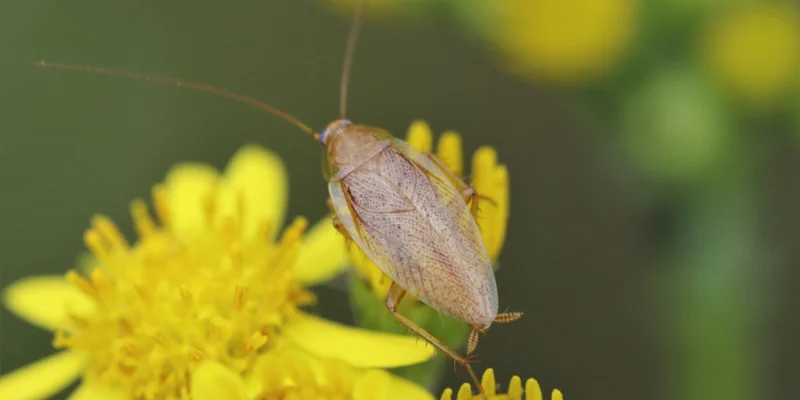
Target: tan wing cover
411 221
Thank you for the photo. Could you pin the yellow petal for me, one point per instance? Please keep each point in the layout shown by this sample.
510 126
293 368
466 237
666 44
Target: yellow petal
420 137
447 394
402 389
93 391
258 175
532 390
488 383
484 162
252 383
187 187
465 392
358 347
214 381
491 180
323 255
47 301
43 378
449 151
379 384
500 196
372 384
515 388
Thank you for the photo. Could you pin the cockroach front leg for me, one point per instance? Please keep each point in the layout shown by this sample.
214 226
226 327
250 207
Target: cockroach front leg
337 223
396 293
340 227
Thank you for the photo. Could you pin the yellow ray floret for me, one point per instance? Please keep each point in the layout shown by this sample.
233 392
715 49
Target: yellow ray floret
535 42
754 50
515 392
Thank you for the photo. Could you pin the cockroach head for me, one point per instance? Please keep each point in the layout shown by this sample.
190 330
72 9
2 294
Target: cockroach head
333 129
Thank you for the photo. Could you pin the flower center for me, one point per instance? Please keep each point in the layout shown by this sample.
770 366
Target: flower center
172 300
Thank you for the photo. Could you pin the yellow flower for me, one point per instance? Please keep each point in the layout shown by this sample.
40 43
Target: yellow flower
755 50
292 374
532 390
209 286
562 41
489 179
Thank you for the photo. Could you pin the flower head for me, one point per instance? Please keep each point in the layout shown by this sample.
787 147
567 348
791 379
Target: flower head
532 390
489 179
207 285
562 42
754 50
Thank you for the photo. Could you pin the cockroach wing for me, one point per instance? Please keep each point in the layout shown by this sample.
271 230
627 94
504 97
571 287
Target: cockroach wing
411 221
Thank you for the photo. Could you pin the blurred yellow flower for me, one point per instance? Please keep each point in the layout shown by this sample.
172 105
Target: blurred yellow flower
532 390
489 179
754 50
209 291
562 41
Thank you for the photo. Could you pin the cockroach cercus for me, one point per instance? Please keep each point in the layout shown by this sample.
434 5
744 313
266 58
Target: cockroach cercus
411 215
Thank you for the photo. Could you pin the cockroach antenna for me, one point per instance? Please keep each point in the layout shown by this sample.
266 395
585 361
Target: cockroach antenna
349 53
188 84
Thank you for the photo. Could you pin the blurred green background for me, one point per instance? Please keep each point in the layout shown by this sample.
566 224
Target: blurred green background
652 148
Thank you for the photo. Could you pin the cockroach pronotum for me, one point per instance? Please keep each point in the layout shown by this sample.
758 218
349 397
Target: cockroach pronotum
412 216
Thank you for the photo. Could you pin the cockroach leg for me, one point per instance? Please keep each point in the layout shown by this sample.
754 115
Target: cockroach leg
396 293
506 317
470 197
468 192
472 342
337 223
502 318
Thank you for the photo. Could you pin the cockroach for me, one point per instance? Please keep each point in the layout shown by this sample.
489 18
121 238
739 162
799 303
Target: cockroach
411 215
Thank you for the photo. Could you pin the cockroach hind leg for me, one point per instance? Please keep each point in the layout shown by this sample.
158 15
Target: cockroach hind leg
472 341
507 317
396 293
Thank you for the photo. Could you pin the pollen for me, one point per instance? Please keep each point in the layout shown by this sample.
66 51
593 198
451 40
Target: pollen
169 302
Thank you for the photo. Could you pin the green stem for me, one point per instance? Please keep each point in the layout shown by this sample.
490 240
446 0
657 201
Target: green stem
714 298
